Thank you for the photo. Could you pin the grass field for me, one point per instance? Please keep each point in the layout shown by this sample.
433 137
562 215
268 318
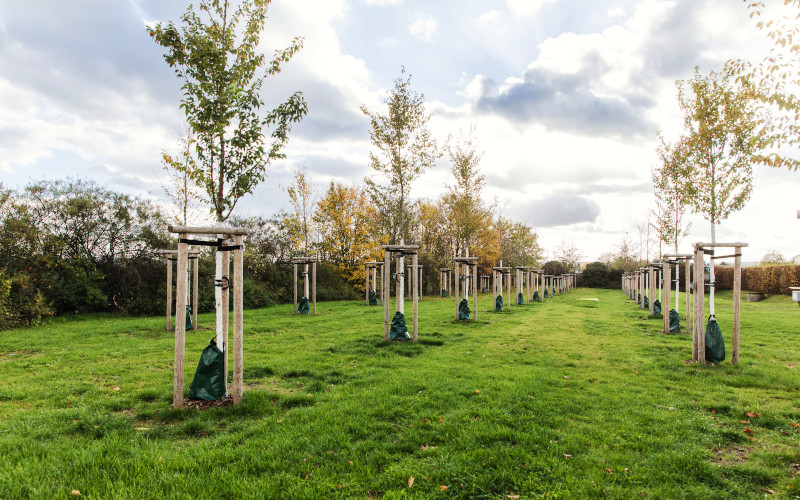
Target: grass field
566 399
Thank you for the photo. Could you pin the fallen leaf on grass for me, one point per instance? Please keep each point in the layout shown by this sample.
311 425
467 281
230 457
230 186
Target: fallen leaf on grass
477 391
442 487
713 411
568 456
116 388
160 459
747 430
610 471
750 414
744 421
425 421
566 377
512 496
411 481
350 462
76 493
426 447
794 424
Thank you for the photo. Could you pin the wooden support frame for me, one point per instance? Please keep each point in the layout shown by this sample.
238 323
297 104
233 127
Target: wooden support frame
401 251
698 332
170 257
417 279
502 277
485 282
237 234
466 263
306 261
667 262
371 281
523 280
444 281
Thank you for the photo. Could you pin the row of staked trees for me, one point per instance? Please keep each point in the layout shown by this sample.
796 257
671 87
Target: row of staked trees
346 225
74 246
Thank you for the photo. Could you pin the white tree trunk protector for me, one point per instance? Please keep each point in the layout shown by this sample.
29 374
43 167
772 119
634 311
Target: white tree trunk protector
218 298
466 279
305 282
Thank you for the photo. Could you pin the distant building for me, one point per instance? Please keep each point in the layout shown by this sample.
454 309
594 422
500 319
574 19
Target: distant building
796 259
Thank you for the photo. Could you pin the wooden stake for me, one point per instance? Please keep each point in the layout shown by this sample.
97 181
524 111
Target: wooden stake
688 294
180 324
415 297
294 266
386 291
737 299
169 294
195 286
698 336
457 274
238 321
314 284
475 292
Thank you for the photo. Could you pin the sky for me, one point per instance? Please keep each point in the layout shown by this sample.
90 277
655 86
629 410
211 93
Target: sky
566 97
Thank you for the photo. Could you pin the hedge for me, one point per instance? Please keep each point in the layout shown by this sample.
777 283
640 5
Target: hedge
774 280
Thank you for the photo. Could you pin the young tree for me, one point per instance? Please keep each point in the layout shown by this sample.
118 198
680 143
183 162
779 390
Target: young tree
717 150
178 186
405 149
348 235
466 213
569 254
215 53
772 258
773 84
518 243
668 185
303 198
625 255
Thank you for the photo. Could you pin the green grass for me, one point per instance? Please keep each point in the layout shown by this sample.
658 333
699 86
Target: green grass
565 399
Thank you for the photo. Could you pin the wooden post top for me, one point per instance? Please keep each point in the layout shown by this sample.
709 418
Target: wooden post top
523 268
445 269
403 249
233 231
373 263
679 256
713 245
466 259
502 269
418 266
175 252
304 260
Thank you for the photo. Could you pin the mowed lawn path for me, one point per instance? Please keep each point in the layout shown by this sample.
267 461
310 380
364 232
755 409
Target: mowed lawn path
570 398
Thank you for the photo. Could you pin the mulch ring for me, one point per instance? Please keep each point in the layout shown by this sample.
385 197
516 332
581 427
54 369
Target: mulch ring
201 404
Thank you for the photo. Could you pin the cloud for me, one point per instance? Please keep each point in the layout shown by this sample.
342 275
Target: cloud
558 210
526 7
383 2
423 29
607 83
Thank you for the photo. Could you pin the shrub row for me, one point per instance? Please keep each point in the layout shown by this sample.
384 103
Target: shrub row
774 280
